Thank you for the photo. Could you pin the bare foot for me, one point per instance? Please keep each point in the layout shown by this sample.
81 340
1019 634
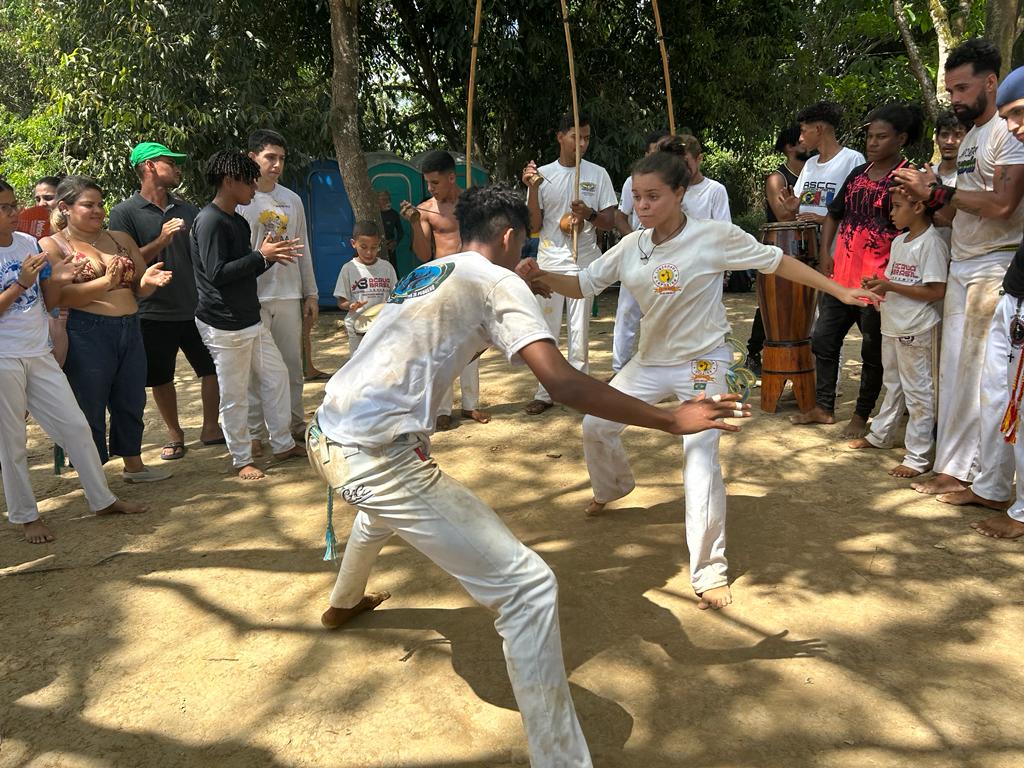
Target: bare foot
36 532
334 617
477 415
595 507
861 442
251 472
537 407
904 471
858 427
443 423
716 598
814 416
939 484
122 507
999 527
293 452
257 447
968 497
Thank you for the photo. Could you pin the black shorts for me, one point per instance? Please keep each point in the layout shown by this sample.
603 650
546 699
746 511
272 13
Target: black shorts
163 339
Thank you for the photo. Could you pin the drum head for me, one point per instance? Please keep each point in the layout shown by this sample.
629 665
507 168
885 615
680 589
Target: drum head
365 318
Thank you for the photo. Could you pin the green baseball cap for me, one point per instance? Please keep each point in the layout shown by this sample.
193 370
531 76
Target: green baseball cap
148 150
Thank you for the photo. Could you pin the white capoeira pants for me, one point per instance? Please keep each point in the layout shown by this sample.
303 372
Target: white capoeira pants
972 293
994 480
469 383
703 487
240 356
38 385
577 330
908 364
1016 510
627 326
400 489
283 318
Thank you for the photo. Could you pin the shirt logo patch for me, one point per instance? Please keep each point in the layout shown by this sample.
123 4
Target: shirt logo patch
421 281
703 371
666 279
588 186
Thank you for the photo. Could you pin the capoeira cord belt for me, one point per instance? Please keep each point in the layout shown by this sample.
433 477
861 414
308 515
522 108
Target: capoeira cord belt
1012 416
317 439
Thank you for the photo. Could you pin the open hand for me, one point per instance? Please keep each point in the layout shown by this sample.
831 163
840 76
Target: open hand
280 250
858 297
916 184
155 276
811 218
877 285
703 413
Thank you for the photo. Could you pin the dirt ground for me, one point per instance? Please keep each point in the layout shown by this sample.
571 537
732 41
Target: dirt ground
871 627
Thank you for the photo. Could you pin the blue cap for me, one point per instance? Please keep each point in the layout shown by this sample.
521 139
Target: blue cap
1011 89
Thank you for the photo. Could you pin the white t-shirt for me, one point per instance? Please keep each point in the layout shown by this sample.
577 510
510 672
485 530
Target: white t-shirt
280 211
983 149
371 283
626 203
819 183
679 285
556 192
707 200
948 180
922 260
23 328
439 318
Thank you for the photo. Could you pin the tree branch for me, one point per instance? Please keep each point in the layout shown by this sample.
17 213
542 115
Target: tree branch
914 54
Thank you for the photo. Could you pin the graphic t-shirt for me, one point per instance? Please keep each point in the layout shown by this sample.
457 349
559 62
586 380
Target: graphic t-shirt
23 328
438 319
280 213
819 183
371 283
984 148
556 193
865 230
921 260
678 285
707 200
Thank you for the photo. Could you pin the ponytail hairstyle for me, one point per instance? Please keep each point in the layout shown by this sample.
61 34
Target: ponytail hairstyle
904 118
668 161
68 191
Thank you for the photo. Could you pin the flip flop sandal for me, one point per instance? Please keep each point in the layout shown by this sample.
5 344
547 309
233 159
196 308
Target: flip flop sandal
218 441
177 451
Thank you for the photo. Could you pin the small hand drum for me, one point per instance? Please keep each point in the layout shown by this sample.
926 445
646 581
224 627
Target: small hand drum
365 317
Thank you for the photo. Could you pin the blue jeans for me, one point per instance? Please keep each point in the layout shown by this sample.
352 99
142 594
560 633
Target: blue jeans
106 367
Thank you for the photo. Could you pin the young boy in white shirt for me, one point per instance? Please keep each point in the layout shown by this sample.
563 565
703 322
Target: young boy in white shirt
914 285
364 281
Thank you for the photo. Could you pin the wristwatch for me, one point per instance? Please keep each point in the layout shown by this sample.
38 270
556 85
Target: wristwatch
593 214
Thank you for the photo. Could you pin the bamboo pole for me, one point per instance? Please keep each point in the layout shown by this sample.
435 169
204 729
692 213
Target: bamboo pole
472 93
575 122
664 67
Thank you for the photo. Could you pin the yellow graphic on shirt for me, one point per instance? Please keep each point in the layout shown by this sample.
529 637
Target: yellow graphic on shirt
666 279
274 222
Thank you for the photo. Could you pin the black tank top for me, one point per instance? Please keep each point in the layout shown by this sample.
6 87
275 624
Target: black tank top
790 177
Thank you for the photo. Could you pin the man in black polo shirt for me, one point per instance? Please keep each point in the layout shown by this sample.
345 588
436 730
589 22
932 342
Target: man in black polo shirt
159 223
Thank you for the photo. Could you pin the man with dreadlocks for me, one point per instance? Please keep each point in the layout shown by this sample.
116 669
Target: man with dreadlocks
228 313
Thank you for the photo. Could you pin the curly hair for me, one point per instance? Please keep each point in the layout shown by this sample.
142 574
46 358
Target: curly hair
228 163
822 112
484 213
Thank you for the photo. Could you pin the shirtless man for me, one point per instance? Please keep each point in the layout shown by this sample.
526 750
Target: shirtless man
435 234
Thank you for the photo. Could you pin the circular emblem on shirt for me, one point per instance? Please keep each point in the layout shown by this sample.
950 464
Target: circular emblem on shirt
666 278
421 281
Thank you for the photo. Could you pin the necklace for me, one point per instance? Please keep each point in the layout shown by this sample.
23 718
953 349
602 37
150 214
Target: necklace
91 243
646 256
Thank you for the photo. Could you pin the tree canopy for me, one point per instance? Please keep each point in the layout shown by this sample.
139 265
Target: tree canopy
87 79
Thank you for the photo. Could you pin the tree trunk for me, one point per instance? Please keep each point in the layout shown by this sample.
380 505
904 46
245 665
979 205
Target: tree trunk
948 36
1001 17
916 64
344 118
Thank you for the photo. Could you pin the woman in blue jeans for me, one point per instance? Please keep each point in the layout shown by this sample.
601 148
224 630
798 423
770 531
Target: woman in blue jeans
106 363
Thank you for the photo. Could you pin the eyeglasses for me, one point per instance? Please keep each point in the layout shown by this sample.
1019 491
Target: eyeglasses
44 198
7 209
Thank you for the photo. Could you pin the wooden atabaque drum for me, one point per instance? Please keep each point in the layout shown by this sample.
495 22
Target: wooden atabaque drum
787 309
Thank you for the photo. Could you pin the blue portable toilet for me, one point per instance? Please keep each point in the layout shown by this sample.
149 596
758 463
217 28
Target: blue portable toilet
329 219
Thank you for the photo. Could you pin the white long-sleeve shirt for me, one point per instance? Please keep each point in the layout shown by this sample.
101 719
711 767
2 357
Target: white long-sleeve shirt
281 212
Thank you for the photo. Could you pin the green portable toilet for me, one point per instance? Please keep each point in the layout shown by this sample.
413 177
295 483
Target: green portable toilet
480 176
403 181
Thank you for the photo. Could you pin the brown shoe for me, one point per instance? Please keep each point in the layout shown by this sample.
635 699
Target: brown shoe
537 407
